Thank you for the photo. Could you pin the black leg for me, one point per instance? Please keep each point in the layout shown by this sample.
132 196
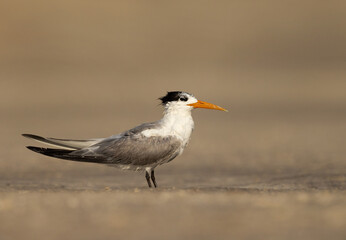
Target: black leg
153 178
148 178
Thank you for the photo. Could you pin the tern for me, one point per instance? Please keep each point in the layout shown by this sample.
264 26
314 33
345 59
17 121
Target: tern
142 148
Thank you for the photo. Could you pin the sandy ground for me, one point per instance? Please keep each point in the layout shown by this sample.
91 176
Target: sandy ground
273 167
266 174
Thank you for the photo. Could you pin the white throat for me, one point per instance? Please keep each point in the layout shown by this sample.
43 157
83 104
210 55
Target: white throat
177 122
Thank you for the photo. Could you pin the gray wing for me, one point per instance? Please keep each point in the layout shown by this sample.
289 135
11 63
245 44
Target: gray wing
132 148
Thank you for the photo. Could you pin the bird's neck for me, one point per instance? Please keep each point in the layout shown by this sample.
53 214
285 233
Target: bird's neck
175 122
178 122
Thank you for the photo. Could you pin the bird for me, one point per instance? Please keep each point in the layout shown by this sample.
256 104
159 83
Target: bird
142 148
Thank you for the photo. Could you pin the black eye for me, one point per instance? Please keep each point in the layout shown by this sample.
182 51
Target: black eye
183 99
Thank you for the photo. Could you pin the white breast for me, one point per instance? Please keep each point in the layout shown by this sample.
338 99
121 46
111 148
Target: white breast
178 124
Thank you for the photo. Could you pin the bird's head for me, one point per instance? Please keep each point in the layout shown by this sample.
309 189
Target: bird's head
179 100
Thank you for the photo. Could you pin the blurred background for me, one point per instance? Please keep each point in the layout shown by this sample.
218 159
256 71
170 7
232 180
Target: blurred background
86 69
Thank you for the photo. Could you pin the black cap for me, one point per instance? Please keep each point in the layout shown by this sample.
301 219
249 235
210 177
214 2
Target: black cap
173 96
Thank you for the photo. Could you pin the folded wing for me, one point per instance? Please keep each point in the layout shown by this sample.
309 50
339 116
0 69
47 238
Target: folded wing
132 151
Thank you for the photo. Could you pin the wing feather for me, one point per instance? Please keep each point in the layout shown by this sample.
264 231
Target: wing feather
64 143
130 148
133 150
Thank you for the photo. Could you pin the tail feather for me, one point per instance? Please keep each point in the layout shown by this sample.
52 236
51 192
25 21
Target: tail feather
65 154
50 151
64 143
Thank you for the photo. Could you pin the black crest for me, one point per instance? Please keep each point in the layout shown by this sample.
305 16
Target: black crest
172 96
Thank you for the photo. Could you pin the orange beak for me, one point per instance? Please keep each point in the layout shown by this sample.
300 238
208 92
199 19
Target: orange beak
201 104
